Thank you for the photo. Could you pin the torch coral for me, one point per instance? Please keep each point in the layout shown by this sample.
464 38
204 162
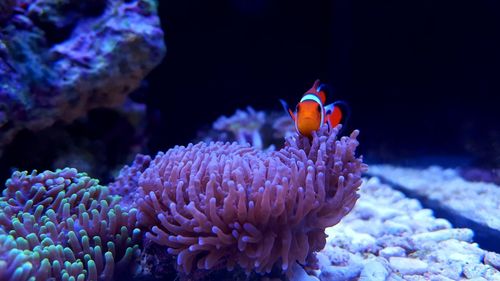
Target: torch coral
66 226
13 261
233 205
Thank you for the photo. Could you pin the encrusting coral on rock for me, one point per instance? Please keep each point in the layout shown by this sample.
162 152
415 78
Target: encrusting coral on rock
63 225
229 205
60 59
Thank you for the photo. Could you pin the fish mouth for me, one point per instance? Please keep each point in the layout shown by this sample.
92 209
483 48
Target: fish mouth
309 119
308 124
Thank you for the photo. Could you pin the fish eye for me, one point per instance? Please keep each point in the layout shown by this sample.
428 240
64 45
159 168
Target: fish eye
298 107
319 108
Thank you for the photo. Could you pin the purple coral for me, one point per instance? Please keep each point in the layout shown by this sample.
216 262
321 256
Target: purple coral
127 181
244 125
68 227
232 205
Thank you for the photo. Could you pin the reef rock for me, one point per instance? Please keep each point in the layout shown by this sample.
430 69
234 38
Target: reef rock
466 204
59 59
364 245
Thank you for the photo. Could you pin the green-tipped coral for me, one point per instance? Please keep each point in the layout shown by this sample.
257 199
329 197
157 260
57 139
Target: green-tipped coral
14 263
63 225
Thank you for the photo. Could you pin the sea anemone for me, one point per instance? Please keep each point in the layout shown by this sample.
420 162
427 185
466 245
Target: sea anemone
227 205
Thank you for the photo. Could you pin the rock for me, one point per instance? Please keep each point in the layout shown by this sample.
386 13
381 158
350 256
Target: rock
374 270
492 259
395 277
350 268
394 228
410 241
439 224
340 272
471 204
299 274
474 270
392 252
462 234
440 278
362 242
408 265
59 59
414 278
6 9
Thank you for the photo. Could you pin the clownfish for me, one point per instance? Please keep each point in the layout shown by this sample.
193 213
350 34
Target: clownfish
311 113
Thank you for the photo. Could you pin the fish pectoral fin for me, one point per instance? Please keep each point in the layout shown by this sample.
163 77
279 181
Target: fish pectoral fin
291 114
329 108
287 109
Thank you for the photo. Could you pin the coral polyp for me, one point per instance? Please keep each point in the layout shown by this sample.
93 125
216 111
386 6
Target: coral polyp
67 227
230 205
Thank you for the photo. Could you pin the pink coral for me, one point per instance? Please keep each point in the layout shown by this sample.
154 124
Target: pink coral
232 205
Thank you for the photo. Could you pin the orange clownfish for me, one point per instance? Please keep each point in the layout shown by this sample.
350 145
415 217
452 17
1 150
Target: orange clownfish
311 112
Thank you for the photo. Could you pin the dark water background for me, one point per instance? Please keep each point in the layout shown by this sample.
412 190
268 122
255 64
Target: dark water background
422 77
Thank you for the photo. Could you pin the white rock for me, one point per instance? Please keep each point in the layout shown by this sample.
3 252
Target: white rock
384 225
439 278
373 271
451 270
338 256
362 242
462 234
299 274
323 260
479 279
439 224
474 270
492 274
408 265
394 228
492 259
395 277
392 252
414 278
340 273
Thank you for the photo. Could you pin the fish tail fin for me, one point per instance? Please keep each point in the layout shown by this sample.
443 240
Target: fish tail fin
337 113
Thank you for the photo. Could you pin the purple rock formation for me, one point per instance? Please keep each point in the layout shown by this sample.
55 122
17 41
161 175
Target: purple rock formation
59 59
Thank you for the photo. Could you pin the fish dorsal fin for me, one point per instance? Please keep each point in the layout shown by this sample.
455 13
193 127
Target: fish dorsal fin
321 92
316 90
